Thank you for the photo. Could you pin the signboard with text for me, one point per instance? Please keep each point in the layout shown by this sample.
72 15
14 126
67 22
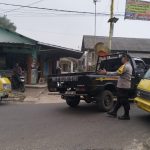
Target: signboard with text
137 10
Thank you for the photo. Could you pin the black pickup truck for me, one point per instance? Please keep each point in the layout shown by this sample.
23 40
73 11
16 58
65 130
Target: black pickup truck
94 87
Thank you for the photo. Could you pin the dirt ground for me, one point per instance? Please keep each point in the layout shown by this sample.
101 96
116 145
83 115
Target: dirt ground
41 95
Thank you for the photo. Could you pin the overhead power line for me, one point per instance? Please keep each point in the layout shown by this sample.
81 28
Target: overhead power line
22 7
56 10
42 8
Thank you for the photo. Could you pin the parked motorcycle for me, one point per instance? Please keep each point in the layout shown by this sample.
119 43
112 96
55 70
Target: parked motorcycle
18 83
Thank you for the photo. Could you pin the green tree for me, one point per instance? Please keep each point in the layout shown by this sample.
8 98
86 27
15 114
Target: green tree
7 24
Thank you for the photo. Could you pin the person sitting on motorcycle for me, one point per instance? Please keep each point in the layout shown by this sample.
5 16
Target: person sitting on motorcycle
17 72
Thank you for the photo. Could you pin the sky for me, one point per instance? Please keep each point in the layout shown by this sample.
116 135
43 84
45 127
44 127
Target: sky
67 30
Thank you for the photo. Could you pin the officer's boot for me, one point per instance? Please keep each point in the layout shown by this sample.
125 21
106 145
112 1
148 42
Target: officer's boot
126 116
113 113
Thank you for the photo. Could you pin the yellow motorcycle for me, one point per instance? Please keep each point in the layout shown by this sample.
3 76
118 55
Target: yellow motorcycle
5 87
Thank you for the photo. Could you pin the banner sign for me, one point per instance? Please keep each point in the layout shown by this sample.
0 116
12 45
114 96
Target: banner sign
137 10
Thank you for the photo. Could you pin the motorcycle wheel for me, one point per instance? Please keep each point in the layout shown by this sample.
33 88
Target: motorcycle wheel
22 88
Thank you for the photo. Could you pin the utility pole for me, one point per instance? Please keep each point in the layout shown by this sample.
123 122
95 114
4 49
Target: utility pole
111 24
112 21
95 23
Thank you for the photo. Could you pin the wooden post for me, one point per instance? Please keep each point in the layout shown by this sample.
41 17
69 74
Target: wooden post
31 67
34 71
29 63
71 66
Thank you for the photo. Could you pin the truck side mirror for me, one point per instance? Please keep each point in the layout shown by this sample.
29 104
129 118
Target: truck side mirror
147 67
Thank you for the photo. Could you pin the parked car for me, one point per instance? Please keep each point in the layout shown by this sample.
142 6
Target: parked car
143 93
93 87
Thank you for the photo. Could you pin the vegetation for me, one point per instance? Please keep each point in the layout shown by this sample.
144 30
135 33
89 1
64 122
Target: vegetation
7 24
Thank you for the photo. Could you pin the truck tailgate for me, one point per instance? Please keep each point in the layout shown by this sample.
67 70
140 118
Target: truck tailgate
66 80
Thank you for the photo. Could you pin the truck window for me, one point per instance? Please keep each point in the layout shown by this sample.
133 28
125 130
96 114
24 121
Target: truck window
140 66
110 64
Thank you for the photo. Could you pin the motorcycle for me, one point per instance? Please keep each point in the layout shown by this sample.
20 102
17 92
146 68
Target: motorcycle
18 82
22 83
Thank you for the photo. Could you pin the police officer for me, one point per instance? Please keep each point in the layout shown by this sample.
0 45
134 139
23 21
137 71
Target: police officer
123 87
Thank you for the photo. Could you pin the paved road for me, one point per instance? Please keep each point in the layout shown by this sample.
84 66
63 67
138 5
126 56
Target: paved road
57 127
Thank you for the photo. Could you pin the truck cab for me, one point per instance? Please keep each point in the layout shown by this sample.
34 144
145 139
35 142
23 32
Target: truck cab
143 93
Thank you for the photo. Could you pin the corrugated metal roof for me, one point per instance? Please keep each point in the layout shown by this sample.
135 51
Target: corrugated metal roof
7 36
140 55
48 49
10 38
58 47
118 43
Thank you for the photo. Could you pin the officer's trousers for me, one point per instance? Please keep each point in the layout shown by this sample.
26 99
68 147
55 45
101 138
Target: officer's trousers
122 100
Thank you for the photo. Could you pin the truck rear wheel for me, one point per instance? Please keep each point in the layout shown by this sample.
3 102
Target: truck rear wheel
105 101
73 101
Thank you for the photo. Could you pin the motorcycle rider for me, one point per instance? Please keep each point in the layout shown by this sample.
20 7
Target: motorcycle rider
17 72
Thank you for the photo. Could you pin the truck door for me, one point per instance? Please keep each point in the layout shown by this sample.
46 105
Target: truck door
139 70
140 67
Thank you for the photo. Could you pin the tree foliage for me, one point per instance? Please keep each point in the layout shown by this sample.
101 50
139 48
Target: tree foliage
7 24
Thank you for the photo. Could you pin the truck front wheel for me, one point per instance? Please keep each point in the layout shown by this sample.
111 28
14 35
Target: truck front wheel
73 101
105 101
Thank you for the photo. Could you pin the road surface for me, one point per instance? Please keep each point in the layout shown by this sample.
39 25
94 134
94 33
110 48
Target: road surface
57 127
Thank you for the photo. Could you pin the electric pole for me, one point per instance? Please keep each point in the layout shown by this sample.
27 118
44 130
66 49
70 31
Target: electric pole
95 23
112 21
111 24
